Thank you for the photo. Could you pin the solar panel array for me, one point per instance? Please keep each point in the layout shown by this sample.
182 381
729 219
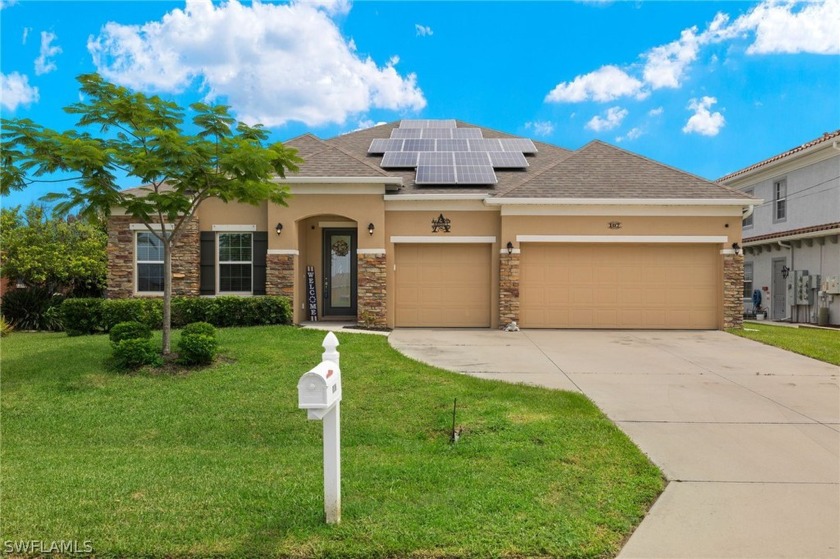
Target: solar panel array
445 154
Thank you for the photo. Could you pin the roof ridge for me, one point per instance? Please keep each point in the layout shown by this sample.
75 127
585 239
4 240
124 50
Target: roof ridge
779 156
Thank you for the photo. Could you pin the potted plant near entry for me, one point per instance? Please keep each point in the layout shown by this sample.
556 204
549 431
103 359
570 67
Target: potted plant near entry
760 312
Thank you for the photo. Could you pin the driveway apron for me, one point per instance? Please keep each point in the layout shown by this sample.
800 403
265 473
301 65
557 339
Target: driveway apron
747 435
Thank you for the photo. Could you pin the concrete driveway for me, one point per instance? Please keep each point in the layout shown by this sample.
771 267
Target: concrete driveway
747 435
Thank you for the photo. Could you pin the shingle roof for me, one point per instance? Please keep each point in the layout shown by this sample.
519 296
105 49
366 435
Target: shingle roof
599 170
825 137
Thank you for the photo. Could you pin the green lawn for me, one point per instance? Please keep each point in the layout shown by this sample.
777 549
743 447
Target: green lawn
220 462
818 343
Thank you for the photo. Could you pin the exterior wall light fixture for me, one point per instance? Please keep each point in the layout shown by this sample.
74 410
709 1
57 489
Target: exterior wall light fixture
737 248
510 247
370 229
278 228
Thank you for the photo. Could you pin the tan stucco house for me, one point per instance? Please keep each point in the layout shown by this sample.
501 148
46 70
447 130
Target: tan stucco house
439 223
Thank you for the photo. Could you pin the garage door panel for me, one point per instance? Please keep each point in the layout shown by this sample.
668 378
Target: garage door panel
619 286
445 285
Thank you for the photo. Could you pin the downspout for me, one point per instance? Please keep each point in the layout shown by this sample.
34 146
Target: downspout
789 317
748 212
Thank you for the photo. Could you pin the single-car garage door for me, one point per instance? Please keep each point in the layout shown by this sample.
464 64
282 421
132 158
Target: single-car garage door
445 285
619 286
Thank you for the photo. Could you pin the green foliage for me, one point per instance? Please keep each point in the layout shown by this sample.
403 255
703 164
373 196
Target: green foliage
5 327
817 343
32 309
199 328
248 311
197 349
129 331
188 309
133 353
82 316
60 254
146 310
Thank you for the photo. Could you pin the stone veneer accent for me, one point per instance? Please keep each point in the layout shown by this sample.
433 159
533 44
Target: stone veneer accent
733 290
508 289
372 308
186 257
280 275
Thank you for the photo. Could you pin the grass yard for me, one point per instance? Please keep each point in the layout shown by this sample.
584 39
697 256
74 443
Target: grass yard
818 343
220 462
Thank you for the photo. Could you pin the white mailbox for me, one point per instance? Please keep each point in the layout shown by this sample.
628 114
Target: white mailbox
320 388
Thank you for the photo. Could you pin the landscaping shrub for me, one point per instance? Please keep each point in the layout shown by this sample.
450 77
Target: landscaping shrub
29 309
199 328
248 311
131 354
82 316
129 331
145 310
188 309
5 327
198 344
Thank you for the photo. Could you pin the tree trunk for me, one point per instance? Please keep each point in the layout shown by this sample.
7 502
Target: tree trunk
167 293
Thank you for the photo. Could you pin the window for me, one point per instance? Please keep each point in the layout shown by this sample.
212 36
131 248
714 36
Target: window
780 200
149 256
748 280
235 262
748 221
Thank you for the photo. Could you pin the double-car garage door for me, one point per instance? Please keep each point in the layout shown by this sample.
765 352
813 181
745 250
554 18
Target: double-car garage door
563 286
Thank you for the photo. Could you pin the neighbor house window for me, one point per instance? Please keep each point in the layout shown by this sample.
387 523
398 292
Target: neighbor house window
748 221
748 280
235 262
149 263
780 200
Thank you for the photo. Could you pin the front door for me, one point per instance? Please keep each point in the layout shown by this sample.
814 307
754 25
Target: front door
779 286
339 272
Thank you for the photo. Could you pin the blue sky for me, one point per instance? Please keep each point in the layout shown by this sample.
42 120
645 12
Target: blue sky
708 87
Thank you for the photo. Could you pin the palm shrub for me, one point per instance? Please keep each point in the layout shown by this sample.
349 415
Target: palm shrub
32 309
5 327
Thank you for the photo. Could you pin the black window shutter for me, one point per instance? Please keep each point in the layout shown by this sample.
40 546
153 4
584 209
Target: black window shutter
260 252
208 263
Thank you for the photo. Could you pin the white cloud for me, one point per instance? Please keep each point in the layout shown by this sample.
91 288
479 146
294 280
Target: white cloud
26 31
612 118
16 91
43 64
423 30
540 127
365 124
666 65
778 29
632 134
7 3
332 7
703 121
272 63
656 112
604 84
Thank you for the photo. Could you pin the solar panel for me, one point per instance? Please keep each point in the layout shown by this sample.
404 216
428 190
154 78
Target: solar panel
475 174
507 159
418 145
383 145
522 145
406 133
435 174
399 159
471 158
427 123
434 133
435 158
453 145
484 145
467 133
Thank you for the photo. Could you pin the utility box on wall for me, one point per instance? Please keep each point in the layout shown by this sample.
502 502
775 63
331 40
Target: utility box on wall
803 294
831 285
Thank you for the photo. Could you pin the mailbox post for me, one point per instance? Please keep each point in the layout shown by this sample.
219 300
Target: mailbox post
319 393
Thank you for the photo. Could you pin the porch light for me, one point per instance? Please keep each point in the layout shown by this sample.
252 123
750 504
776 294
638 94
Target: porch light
370 229
278 228
510 247
737 248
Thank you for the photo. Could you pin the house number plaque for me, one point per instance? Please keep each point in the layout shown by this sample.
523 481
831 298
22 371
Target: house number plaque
615 225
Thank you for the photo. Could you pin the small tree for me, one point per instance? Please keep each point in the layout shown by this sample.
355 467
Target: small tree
144 137
66 255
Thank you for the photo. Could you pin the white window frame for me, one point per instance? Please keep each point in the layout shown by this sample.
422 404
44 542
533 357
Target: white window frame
137 262
780 200
749 220
219 264
748 279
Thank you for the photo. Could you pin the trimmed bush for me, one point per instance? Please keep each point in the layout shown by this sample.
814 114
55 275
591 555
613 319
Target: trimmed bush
29 309
131 354
129 331
82 316
199 328
188 309
147 311
197 349
248 311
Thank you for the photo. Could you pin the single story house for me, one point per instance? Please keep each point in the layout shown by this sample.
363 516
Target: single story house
439 223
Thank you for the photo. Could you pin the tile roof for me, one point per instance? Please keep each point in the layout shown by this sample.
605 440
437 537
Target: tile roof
597 170
792 232
825 137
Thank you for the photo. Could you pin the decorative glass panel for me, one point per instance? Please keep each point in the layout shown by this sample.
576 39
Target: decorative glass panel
235 250
340 265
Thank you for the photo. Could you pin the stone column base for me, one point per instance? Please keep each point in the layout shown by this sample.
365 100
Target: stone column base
280 276
508 289
372 306
733 290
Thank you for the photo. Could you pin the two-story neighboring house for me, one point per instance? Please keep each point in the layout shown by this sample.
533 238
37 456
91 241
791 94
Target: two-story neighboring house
790 240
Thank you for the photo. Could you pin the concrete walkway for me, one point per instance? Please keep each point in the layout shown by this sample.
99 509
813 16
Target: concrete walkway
747 435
